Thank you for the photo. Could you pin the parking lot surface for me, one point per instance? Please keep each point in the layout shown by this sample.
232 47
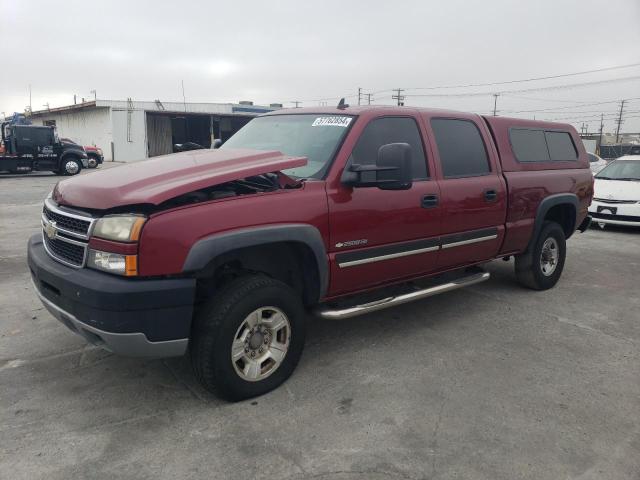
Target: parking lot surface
490 382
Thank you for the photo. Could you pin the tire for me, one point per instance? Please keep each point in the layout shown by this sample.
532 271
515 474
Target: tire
70 166
92 162
532 270
223 321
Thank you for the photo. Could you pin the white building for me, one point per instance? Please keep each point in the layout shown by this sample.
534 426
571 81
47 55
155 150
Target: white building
128 131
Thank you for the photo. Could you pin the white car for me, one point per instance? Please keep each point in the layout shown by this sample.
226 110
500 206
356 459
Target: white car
596 163
616 198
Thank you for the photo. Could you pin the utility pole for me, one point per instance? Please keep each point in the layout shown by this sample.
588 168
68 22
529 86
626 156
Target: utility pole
184 100
619 121
30 109
495 103
368 98
95 94
399 97
296 103
601 129
359 94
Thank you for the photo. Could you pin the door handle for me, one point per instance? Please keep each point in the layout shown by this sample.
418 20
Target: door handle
430 201
490 195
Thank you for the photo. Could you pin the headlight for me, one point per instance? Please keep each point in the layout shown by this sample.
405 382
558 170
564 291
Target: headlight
100 151
113 262
121 228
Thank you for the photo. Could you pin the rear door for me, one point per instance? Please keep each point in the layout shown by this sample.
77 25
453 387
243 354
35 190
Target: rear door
472 190
380 235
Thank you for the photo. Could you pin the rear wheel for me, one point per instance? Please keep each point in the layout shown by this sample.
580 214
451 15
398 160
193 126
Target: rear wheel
541 268
247 339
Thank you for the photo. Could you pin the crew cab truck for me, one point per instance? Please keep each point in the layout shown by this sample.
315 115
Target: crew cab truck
334 211
27 148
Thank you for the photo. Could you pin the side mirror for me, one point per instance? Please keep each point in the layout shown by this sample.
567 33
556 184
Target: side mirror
216 143
392 170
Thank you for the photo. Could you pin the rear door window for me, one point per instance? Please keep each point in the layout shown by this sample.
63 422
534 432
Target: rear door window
461 148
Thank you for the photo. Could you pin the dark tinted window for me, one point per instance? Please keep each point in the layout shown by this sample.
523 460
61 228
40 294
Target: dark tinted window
560 146
462 151
529 145
390 130
33 136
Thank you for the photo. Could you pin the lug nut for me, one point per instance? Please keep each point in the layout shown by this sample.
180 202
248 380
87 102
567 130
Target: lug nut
253 353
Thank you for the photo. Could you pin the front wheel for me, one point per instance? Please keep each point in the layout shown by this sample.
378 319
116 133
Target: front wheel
247 339
92 162
70 166
541 268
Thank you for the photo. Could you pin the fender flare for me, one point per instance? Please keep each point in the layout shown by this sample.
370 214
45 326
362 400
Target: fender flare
208 248
545 205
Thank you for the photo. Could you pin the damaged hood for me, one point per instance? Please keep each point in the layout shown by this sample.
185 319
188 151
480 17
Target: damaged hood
162 178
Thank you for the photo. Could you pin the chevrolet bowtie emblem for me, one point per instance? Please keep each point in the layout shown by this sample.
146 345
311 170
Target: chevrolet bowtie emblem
50 230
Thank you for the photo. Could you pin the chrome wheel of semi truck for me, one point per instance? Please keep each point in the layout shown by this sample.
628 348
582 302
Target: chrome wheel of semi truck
70 166
248 337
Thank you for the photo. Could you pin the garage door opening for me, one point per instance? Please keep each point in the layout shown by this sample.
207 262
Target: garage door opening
173 132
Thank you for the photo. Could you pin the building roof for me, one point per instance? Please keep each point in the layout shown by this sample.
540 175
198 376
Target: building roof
159 106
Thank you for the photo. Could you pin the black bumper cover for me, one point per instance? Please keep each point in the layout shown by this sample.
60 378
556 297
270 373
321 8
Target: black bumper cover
161 309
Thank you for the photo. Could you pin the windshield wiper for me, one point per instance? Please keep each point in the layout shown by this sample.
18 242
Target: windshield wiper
603 178
628 179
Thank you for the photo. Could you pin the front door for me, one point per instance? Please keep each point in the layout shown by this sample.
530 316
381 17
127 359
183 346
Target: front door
380 235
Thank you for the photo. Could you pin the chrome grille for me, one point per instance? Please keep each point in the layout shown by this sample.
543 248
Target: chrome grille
65 234
72 224
69 253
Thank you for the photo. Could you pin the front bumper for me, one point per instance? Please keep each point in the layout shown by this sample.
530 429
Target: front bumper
131 317
615 213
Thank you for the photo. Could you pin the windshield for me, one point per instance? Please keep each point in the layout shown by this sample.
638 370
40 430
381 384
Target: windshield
621 170
314 136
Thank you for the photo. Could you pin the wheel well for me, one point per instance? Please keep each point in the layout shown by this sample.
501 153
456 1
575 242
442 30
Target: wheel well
292 263
564 215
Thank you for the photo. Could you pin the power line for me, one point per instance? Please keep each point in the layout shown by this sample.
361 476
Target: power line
549 77
537 89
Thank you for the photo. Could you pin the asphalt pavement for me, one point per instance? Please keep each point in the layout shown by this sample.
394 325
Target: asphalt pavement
489 382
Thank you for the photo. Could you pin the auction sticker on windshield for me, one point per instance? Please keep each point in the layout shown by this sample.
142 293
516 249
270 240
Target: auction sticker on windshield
331 122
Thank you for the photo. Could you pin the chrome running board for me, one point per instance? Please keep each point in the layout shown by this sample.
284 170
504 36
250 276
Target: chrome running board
329 314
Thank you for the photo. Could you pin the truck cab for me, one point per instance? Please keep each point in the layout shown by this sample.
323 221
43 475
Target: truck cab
29 148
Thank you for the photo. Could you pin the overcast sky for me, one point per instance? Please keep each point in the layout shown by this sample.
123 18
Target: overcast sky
280 51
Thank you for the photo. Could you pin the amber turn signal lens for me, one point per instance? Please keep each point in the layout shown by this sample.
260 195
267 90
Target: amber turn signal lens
136 229
131 265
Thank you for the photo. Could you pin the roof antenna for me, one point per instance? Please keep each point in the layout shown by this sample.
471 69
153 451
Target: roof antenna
342 105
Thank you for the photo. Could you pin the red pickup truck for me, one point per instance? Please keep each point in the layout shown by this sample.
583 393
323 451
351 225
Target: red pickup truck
335 211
